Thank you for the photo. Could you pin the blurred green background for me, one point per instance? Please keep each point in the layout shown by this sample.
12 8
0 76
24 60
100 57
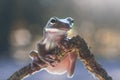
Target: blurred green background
22 23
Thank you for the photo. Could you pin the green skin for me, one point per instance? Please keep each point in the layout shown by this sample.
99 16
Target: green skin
54 32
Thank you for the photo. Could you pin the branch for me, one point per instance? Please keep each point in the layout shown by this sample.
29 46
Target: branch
84 54
26 71
88 59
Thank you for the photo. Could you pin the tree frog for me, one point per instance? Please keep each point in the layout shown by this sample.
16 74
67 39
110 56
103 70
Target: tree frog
54 32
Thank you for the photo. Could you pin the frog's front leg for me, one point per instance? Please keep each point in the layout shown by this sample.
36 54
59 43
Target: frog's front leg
36 61
45 56
50 59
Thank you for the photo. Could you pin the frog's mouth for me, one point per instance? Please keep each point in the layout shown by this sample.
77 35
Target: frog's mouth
56 30
65 29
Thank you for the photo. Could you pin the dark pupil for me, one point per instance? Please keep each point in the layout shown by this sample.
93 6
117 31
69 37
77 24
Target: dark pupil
53 21
72 21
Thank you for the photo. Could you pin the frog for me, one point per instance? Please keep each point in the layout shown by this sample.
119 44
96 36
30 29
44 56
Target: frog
54 32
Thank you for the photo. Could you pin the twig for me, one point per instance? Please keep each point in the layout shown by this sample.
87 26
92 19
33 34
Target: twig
25 71
84 54
88 59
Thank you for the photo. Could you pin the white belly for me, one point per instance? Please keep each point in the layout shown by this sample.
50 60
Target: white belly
59 68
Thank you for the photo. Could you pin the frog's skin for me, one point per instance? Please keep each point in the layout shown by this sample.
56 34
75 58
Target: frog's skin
54 32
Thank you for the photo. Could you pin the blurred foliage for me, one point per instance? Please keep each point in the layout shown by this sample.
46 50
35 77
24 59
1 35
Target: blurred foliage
22 22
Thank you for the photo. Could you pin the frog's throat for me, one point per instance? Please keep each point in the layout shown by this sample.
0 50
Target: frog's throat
50 45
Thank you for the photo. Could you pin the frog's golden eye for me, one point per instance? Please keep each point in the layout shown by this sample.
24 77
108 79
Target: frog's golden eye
53 20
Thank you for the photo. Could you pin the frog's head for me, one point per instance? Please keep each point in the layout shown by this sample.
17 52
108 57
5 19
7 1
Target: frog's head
59 25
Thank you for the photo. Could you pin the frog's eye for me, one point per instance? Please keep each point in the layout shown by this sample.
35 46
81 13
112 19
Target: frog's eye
70 20
53 20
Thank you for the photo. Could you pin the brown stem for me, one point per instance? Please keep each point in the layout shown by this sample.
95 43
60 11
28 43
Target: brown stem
26 71
88 60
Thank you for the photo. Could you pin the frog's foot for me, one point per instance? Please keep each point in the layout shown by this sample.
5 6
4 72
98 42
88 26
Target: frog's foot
51 57
51 60
36 64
